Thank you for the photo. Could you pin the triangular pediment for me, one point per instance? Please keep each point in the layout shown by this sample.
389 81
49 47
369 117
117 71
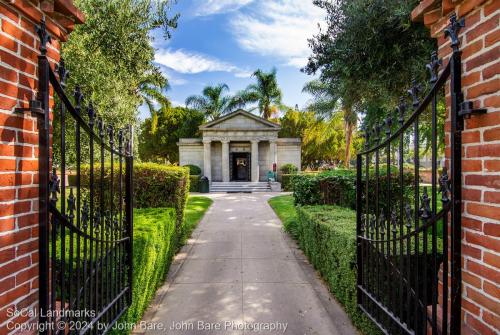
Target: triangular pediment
241 120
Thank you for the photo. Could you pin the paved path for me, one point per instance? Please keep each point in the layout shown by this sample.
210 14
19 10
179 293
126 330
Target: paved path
241 270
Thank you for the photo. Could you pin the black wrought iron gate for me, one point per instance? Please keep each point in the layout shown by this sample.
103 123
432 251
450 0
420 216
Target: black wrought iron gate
406 201
85 210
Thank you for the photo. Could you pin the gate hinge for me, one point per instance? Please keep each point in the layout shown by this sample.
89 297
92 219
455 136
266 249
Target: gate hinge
35 107
467 109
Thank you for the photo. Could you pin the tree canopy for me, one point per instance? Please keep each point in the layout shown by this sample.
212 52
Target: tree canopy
213 102
266 93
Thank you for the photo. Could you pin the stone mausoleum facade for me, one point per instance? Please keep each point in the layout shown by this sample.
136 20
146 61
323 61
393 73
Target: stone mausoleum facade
239 147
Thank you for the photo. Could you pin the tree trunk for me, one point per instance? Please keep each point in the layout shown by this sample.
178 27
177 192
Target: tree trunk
349 127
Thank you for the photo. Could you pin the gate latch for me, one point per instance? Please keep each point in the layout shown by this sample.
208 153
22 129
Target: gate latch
35 107
467 109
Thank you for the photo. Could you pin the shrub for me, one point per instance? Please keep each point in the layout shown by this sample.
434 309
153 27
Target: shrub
194 183
155 185
289 169
327 235
193 169
286 182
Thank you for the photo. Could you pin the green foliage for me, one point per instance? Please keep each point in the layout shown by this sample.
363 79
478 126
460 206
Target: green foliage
111 55
193 169
323 139
289 169
213 103
194 183
327 235
161 145
266 93
155 185
286 182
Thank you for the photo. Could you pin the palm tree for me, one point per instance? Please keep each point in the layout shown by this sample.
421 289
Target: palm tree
213 103
327 102
150 91
265 92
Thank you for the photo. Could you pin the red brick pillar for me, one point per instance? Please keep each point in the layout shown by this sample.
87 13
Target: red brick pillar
480 45
19 148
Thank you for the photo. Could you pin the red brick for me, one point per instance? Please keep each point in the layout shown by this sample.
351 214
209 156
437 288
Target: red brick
483 88
492 38
17 62
28 10
26 275
482 240
493 197
471 279
482 59
492 165
472 224
492 229
471 165
478 325
7 195
470 251
492 134
8 74
491 319
28 301
7 11
19 34
7 164
9 43
27 220
7 224
483 28
471 79
491 8
491 259
483 271
27 193
471 49
482 300
27 81
483 150
491 71
7 135
12 179
28 165
471 307
491 212
7 284
471 136
30 138
13 90
14 294
14 121
7 103
467 6
26 248
484 120
471 194
14 266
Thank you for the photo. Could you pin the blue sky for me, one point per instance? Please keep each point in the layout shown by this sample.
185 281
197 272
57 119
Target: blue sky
224 41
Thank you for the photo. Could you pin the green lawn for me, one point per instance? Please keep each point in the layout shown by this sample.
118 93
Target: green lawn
284 208
195 210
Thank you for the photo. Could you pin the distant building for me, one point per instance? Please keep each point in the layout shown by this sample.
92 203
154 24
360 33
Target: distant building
239 146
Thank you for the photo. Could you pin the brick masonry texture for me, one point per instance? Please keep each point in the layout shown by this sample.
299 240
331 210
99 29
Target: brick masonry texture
19 149
480 45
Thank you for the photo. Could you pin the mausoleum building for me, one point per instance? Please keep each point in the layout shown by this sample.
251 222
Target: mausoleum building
239 147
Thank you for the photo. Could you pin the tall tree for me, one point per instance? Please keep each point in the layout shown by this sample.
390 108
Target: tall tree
369 51
265 92
213 102
327 103
161 146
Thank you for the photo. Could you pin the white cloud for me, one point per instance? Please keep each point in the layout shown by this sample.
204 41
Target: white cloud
279 28
188 62
211 7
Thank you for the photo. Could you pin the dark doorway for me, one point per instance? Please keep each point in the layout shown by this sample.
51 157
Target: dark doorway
240 166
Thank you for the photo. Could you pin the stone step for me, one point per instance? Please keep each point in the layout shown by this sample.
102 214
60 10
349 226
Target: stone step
240 187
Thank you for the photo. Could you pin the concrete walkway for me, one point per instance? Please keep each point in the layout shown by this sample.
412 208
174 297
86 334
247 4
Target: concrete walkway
240 270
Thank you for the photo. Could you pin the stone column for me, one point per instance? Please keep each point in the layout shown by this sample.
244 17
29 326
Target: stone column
273 153
255 160
207 159
225 160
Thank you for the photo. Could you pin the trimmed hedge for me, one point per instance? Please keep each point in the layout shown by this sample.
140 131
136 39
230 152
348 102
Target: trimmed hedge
286 182
155 185
193 169
289 168
327 235
194 183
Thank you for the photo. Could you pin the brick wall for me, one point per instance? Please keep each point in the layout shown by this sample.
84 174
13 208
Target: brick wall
480 45
19 148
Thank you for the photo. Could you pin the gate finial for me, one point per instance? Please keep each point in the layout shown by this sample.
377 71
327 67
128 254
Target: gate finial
453 29
433 66
444 183
425 209
78 95
414 91
41 30
91 114
401 110
85 215
62 72
54 186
